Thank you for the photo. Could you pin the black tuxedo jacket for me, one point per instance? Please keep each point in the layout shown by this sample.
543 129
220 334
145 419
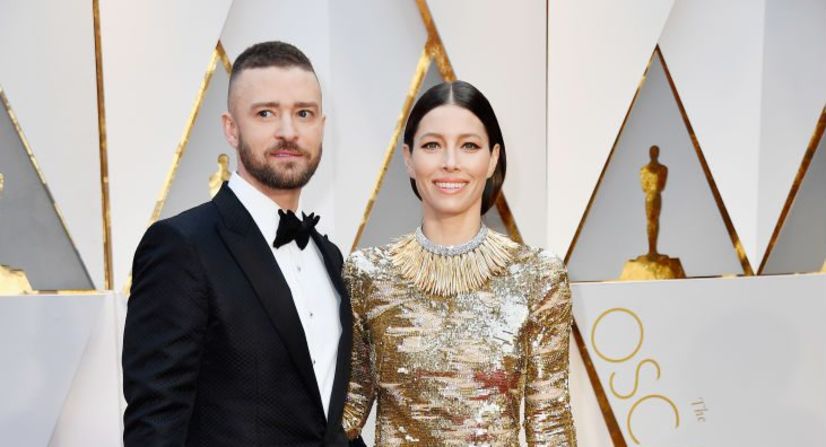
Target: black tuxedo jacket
214 353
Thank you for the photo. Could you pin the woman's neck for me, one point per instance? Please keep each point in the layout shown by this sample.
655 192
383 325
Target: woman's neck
451 230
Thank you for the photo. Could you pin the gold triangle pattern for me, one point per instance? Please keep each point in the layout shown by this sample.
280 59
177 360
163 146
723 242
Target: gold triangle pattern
219 56
732 233
39 173
605 407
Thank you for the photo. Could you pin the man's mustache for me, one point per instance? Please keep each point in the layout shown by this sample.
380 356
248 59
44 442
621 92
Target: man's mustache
287 146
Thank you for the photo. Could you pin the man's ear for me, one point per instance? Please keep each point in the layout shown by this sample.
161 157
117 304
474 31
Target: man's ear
230 129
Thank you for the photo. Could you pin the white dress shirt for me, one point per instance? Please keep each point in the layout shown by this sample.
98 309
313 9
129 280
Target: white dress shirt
314 295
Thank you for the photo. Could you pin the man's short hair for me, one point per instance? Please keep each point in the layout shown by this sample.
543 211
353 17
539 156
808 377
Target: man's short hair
269 54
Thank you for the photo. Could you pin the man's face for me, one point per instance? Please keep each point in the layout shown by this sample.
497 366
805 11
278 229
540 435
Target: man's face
276 123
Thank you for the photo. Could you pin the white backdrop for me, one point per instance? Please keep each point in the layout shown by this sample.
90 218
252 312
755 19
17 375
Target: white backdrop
47 70
720 351
560 74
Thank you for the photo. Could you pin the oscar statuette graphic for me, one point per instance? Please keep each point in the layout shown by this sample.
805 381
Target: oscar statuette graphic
653 265
220 176
12 281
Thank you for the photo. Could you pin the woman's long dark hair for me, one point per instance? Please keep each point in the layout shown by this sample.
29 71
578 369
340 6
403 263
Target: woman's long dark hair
468 97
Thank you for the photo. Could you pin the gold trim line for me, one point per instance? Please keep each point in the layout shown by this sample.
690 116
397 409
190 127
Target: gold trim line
27 147
108 269
415 84
808 156
735 239
182 144
605 407
222 55
607 162
218 54
434 46
507 218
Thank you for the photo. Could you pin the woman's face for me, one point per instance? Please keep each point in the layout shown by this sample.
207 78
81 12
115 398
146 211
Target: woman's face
450 161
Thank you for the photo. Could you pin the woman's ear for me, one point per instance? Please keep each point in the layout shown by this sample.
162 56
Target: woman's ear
494 159
408 156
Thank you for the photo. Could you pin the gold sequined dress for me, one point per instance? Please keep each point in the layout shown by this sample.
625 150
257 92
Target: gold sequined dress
453 369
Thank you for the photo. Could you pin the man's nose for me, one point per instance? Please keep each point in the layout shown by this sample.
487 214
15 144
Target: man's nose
286 128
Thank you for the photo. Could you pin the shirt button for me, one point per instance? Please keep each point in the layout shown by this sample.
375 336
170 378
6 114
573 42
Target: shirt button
313 361
311 315
299 268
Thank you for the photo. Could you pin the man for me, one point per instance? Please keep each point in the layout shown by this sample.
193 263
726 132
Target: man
238 331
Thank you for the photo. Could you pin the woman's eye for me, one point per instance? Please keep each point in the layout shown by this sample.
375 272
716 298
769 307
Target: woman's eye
471 146
430 145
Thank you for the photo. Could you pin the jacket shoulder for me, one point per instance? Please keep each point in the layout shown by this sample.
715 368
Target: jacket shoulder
194 222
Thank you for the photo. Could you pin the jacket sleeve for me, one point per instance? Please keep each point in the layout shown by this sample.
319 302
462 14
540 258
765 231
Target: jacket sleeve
163 338
548 420
361 389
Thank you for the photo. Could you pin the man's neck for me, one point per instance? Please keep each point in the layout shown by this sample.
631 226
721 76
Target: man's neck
286 199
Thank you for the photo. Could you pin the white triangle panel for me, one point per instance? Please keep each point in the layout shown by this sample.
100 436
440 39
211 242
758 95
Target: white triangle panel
597 52
44 341
698 362
154 58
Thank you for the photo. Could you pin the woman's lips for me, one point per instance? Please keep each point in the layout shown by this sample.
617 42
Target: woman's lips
450 186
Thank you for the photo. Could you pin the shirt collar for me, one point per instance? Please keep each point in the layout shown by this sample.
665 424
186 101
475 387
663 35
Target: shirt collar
262 209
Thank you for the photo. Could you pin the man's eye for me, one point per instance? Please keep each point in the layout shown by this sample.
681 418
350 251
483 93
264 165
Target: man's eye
265 113
305 113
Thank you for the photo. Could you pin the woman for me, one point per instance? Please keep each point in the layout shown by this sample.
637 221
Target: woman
455 325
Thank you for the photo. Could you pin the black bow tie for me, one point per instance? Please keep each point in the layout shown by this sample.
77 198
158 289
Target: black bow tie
292 229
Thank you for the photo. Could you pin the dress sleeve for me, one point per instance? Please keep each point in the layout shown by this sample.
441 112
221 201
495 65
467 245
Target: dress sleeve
361 389
548 420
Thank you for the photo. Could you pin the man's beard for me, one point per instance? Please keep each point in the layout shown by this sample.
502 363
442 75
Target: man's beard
270 176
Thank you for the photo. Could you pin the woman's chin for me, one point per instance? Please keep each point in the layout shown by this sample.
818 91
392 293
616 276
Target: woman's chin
448 210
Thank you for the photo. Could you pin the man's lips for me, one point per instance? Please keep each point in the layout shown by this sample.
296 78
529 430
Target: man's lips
285 153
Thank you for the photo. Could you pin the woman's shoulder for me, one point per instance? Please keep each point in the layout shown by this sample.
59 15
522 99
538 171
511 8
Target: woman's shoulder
541 258
368 260
546 277
544 269
361 260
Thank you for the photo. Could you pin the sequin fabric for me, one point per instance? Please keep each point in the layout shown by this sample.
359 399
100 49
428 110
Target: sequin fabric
455 370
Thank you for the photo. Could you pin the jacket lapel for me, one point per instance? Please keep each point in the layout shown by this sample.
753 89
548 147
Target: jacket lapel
333 264
253 255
